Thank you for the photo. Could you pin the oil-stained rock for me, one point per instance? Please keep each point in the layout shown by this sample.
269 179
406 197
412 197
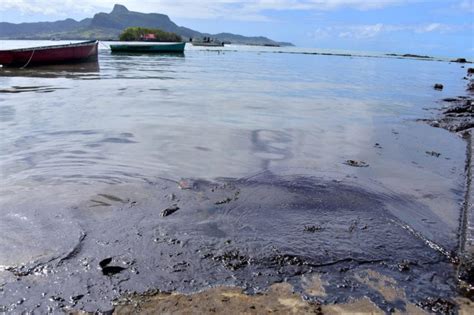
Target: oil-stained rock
169 211
355 163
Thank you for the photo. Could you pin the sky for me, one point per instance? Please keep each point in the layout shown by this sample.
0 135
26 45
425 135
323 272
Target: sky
434 27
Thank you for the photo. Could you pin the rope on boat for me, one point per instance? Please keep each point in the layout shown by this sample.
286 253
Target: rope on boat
29 60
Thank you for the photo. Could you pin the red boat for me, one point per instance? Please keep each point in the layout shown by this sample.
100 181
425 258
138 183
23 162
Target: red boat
46 55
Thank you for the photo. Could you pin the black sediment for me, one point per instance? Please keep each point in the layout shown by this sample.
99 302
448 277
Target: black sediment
251 233
466 248
458 117
267 231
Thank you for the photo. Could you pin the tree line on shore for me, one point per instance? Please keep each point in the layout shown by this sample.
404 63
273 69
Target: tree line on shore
149 34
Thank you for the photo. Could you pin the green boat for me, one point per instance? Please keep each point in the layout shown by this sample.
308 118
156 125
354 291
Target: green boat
149 48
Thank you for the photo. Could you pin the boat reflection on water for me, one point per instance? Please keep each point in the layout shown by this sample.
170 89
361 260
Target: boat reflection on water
154 48
73 70
140 53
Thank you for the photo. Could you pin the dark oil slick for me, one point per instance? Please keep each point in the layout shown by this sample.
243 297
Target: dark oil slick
252 241
235 167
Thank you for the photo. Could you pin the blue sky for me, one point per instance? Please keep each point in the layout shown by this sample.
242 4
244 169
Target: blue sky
435 27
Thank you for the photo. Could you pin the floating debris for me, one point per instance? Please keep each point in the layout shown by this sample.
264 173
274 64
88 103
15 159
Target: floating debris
312 228
170 210
54 298
74 299
112 198
109 270
433 153
355 163
438 86
404 266
186 184
223 201
449 99
233 260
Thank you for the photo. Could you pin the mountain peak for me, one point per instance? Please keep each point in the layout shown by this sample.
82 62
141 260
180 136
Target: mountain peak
110 25
118 8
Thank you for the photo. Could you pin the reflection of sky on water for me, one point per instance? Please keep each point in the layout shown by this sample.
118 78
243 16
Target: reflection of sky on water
232 114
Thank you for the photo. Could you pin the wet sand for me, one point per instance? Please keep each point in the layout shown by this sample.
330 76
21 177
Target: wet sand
278 299
190 235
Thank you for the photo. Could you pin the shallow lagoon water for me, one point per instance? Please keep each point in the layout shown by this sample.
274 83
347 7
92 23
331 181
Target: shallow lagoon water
70 136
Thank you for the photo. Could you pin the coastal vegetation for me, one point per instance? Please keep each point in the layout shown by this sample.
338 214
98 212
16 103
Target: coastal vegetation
142 33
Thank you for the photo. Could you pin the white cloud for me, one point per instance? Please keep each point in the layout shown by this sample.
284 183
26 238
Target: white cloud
438 27
431 27
466 5
367 31
371 30
234 9
49 7
320 33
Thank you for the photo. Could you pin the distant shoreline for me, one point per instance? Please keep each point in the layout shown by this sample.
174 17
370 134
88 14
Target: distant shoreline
301 50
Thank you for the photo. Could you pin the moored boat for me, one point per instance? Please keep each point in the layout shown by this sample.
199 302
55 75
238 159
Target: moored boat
208 44
149 48
47 55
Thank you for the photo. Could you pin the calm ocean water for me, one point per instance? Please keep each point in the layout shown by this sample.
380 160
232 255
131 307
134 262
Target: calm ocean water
228 113
215 113
210 113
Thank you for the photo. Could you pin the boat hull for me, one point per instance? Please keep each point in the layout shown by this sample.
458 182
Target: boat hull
208 44
149 48
48 55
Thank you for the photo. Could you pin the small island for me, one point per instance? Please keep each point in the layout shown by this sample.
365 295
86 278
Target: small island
148 34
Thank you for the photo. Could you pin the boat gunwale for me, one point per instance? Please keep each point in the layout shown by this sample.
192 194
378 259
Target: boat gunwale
203 44
71 45
149 44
